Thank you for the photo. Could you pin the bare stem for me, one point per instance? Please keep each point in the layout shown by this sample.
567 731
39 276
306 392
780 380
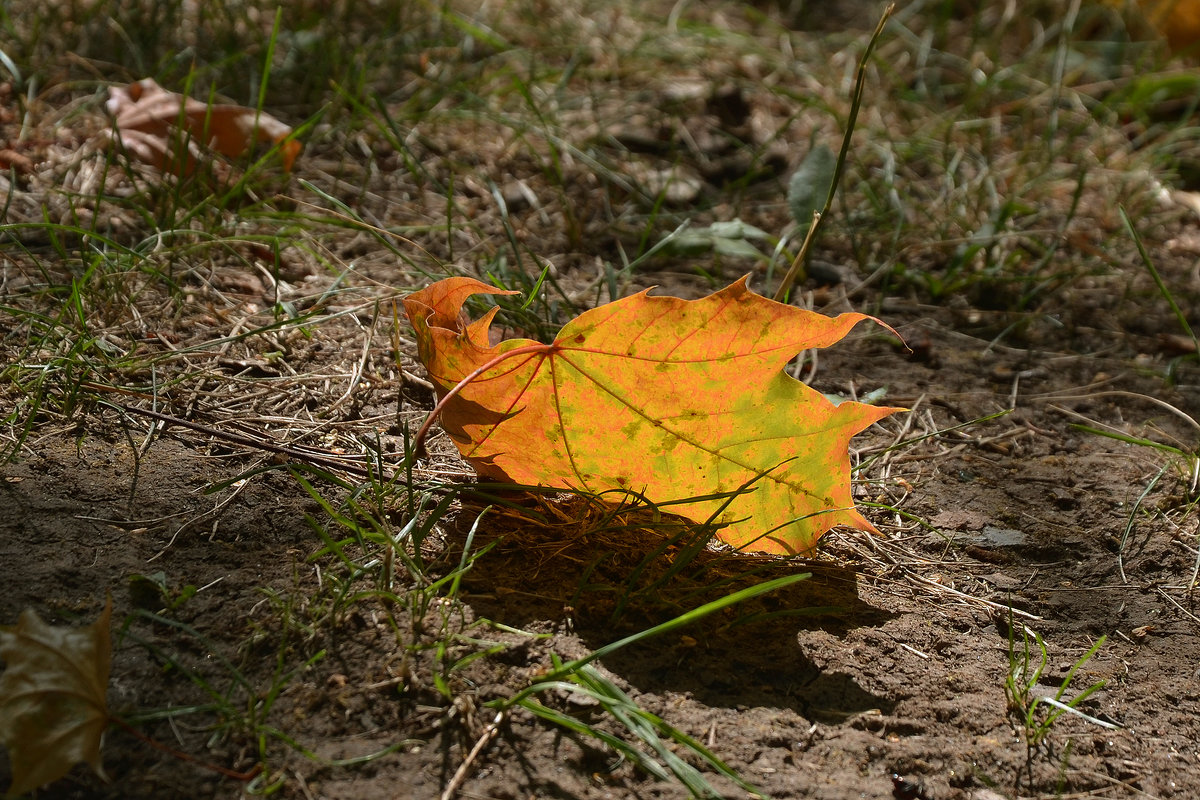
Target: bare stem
419 439
797 268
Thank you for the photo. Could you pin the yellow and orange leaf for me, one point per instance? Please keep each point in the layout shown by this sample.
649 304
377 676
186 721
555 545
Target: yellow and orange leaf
53 709
148 117
670 398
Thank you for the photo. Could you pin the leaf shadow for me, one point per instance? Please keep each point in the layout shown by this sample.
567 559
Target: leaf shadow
603 573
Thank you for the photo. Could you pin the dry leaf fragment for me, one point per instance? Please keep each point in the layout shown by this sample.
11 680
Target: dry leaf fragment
12 159
671 398
53 709
1142 631
1178 21
148 118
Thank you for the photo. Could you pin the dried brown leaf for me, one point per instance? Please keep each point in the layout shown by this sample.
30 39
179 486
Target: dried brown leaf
53 710
148 120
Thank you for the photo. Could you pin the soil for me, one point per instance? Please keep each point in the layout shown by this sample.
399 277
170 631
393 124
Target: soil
900 672
240 636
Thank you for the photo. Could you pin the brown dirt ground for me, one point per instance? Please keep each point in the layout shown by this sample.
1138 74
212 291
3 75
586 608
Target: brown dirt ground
900 670
905 675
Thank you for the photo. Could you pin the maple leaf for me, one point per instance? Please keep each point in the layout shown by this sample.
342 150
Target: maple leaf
53 711
1178 21
148 117
667 397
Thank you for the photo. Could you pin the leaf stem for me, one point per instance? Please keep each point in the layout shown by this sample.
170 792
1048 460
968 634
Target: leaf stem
419 439
797 268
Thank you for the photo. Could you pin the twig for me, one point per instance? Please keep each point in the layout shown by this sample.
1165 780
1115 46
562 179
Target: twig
212 512
460 774
359 367
1163 404
1182 610
1115 782
257 444
989 603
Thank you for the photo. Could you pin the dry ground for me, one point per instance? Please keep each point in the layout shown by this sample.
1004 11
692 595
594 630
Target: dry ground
979 217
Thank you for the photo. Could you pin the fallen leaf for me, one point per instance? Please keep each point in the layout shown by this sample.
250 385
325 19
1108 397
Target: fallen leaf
148 119
53 711
671 398
1178 21
11 159
808 188
732 238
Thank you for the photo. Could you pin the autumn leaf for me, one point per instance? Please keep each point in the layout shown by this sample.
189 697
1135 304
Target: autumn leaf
148 119
53 711
1178 21
671 398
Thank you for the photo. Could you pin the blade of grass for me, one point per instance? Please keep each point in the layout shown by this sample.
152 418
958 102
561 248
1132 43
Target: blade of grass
682 621
798 263
1158 281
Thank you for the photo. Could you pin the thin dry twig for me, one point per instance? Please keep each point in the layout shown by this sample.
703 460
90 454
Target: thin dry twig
460 774
327 460
1133 395
211 513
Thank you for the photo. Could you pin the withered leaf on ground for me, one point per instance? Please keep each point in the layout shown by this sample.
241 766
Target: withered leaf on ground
1178 21
53 709
671 398
151 124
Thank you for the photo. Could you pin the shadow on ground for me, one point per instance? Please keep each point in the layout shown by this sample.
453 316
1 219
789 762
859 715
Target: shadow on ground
606 575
